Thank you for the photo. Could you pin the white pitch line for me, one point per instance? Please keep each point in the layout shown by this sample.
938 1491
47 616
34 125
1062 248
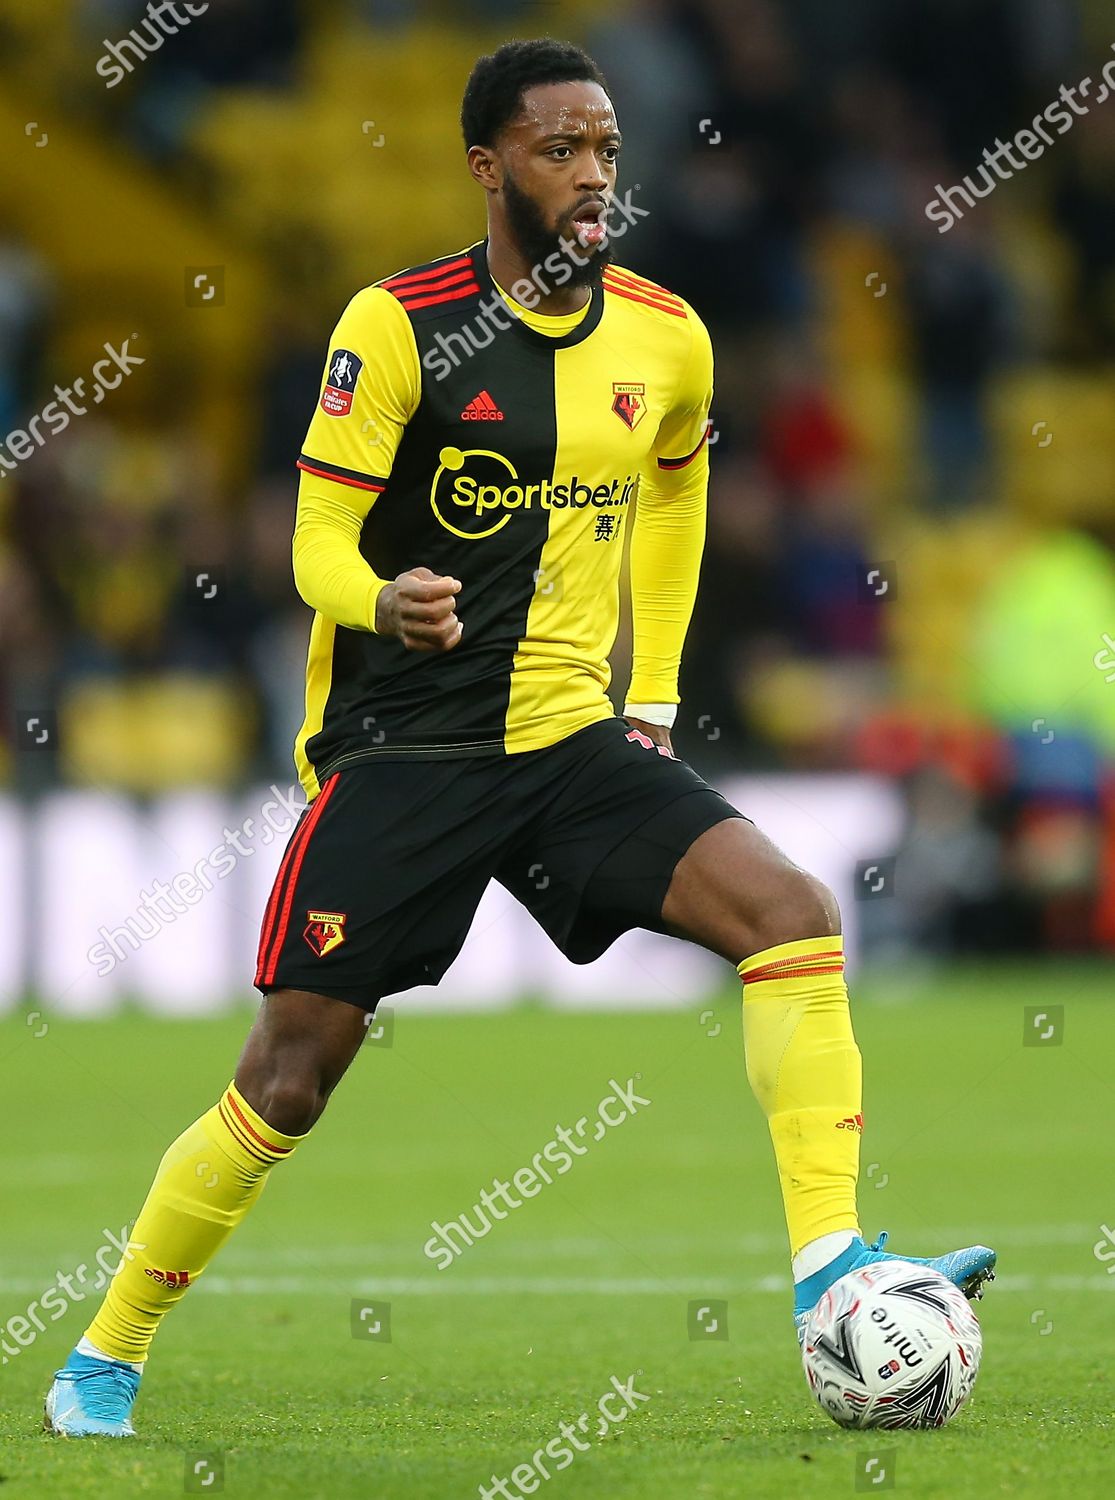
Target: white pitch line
580 1251
562 1286
447 1284
754 1245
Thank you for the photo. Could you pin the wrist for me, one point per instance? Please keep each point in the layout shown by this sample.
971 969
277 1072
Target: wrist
375 593
662 714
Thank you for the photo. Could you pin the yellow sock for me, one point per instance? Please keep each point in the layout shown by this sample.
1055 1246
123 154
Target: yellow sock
206 1183
804 1067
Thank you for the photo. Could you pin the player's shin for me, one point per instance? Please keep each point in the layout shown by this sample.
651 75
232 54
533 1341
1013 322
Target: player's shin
804 1068
206 1183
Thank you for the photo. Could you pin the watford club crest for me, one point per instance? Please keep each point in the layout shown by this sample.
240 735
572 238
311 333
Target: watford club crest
629 403
325 930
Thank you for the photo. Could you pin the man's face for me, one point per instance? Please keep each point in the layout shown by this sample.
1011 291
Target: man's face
559 159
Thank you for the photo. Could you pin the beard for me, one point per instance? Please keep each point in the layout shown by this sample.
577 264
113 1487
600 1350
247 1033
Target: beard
538 240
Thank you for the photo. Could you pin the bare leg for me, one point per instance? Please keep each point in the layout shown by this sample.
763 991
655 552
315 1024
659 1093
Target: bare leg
295 1055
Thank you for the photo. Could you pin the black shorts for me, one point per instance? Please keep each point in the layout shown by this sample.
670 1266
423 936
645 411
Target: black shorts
384 870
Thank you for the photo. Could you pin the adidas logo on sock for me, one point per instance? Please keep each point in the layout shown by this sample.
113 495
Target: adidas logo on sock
851 1122
168 1278
482 409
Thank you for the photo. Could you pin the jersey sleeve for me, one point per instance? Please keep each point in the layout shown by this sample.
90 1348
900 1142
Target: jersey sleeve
369 390
669 534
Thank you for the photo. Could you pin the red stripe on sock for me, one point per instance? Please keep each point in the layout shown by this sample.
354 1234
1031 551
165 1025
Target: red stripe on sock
762 974
797 958
255 1135
238 1135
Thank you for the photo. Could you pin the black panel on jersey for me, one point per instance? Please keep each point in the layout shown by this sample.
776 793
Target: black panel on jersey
455 702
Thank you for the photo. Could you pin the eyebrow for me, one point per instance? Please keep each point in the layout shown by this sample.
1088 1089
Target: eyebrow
576 135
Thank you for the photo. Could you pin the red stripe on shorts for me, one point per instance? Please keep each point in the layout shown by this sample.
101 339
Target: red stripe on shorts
272 939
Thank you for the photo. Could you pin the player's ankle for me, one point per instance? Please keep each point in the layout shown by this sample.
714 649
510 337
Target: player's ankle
92 1351
821 1252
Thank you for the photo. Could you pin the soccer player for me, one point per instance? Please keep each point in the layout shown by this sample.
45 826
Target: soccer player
489 426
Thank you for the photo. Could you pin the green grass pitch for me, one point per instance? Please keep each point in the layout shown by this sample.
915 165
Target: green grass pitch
971 1135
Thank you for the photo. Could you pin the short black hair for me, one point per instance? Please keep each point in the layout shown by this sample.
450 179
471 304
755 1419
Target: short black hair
494 92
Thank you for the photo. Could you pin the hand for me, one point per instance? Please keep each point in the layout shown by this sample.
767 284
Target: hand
420 608
656 732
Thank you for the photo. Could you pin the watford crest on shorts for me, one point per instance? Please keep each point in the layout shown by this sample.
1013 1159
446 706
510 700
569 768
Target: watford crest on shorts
325 930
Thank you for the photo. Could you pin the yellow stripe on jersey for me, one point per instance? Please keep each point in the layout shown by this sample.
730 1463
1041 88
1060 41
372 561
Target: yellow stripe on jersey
319 679
669 533
561 674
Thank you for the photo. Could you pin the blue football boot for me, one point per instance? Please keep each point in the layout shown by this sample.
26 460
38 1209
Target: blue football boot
967 1269
91 1398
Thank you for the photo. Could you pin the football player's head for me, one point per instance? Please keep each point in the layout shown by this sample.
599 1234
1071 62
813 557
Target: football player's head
543 142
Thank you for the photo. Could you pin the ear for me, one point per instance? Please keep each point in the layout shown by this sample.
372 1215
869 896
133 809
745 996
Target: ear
485 167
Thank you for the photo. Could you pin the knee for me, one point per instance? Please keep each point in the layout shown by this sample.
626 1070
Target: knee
288 1093
291 1104
801 906
296 1053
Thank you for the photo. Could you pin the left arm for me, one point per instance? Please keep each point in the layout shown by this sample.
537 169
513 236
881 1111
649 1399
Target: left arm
667 543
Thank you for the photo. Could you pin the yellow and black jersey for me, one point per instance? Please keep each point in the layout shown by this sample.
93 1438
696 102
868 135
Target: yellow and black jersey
459 431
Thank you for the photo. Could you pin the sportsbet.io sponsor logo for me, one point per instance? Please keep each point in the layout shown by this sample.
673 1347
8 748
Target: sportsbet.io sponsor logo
475 492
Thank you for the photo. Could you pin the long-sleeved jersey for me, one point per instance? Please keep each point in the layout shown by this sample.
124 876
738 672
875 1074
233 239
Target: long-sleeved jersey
460 431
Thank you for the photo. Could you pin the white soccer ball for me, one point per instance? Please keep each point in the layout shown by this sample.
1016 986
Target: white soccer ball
892 1345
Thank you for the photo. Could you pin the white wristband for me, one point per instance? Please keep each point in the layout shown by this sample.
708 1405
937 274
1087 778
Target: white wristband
662 714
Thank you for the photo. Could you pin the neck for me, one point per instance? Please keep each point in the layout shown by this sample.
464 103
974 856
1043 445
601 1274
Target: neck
508 265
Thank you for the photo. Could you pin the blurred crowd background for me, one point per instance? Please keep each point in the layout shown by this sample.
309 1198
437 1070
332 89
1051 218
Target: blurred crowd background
910 568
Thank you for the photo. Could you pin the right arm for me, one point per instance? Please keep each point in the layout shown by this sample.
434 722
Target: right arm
369 391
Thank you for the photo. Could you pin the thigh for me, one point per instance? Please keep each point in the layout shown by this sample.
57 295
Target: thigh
736 893
616 818
381 879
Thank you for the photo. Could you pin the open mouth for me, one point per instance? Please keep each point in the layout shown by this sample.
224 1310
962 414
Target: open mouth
590 223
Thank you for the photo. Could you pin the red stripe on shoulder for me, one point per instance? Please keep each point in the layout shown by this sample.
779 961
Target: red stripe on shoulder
402 278
642 283
412 303
618 289
428 288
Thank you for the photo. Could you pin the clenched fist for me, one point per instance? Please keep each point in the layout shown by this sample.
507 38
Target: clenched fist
420 608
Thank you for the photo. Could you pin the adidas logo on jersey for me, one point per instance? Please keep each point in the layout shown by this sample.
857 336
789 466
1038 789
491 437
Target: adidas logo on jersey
851 1122
482 409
